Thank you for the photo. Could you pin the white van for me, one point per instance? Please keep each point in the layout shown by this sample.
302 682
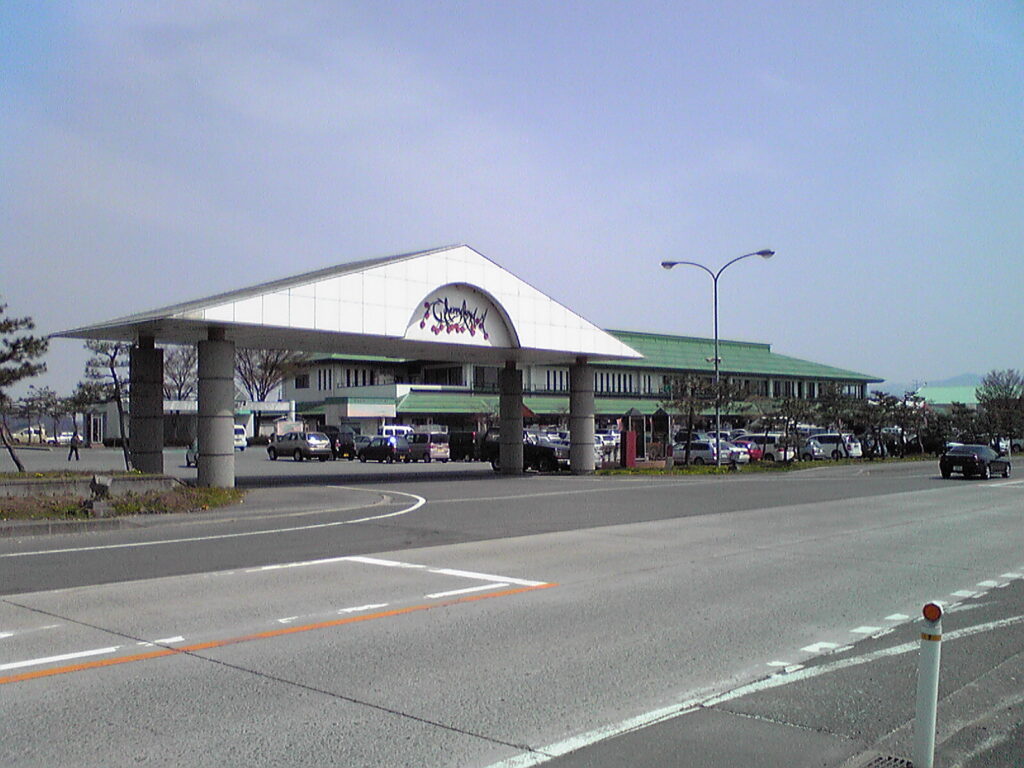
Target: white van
395 430
240 441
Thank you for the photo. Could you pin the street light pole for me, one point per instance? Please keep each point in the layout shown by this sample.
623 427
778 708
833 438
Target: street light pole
764 254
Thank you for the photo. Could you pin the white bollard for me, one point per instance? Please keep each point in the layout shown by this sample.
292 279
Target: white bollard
927 687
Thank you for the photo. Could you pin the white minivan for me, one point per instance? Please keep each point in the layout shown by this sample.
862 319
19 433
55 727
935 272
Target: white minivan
395 430
839 446
240 441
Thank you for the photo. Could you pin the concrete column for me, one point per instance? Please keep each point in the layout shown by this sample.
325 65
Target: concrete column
581 418
216 412
146 407
511 414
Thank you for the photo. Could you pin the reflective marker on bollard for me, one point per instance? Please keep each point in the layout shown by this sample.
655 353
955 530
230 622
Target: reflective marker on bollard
927 687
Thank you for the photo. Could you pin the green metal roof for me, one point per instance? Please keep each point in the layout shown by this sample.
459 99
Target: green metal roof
947 395
432 401
439 402
617 406
687 353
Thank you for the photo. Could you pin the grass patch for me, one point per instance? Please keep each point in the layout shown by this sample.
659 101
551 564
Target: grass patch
65 475
181 499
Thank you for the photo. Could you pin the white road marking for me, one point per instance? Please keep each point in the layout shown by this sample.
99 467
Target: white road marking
288 620
163 641
361 608
302 564
545 754
1011 575
963 593
486 577
819 647
778 663
6 634
62 657
506 580
897 617
385 563
420 501
490 585
989 583
866 630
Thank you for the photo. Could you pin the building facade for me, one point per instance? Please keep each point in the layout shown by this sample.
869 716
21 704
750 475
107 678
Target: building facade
363 393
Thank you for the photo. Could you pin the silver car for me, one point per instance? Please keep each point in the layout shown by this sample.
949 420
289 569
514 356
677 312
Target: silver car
301 445
703 452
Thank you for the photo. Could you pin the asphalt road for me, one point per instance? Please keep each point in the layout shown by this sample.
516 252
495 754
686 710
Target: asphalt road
468 621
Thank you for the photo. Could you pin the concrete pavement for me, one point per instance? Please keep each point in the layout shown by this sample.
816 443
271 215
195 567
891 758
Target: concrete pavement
855 708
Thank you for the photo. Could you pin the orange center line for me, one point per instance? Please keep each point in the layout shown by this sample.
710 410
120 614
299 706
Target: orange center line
68 669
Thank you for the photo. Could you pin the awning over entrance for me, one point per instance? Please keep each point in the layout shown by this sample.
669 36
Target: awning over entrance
450 304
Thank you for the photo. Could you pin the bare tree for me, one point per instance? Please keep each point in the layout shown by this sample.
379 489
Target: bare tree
835 408
261 371
50 404
180 377
793 411
1001 401
106 368
689 395
18 355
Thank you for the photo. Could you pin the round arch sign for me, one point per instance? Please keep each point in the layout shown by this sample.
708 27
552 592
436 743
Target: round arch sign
458 313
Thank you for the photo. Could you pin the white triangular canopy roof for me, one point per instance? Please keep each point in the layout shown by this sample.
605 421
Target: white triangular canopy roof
450 303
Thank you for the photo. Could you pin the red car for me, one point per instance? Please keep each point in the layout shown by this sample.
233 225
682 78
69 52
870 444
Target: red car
755 450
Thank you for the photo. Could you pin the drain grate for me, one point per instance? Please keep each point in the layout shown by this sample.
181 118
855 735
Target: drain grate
888 761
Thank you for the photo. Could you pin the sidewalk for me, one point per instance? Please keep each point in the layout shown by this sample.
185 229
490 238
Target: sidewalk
855 709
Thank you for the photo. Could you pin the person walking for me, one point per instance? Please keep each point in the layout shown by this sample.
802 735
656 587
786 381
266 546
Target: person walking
74 443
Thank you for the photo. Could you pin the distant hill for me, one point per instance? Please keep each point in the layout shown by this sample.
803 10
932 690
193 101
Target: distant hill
899 387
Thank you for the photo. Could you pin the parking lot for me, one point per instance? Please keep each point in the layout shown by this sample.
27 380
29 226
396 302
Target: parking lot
252 466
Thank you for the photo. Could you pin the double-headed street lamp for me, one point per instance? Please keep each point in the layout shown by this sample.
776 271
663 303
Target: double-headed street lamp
764 254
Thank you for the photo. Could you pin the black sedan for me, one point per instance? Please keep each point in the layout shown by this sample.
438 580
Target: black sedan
973 461
385 448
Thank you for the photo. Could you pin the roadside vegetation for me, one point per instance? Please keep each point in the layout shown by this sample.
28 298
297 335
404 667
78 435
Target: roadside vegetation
758 467
71 507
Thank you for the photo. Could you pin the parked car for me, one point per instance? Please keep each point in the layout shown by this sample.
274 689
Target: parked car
974 461
360 441
812 450
703 452
429 446
755 451
839 446
240 440
29 435
462 446
64 438
542 455
342 444
771 447
300 445
389 448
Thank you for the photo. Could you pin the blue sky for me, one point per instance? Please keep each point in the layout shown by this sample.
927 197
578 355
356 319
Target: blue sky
156 152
